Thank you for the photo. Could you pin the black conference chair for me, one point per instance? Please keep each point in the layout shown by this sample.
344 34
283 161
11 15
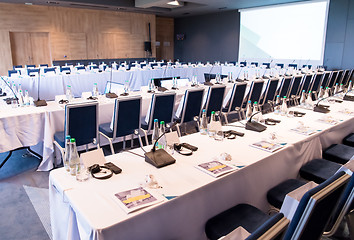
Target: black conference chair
43 65
326 79
161 108
32 72
294 92
255 91
266 64
30 66
293 65
349 140
281 65
247 216
65 69
254 63
346 77
283 90
236 101
269 96
338 153
349 78
315 85
306 83
47 70
191 108
14 72
339 77
126 121
81 123
215 97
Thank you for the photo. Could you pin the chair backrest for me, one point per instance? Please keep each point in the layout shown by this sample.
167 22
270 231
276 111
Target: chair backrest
31 66
17 66
32 70
339 77
162 105
244 64
315 208
14 72
237 96
127 112
326 77
295 86
51 69
81 122
192 104
270 91
266 64
157 81
254 63
332 79
80 68
256 91
65 69
306 82
293 65
43 65
215 99
316 82
273 228
284 87
346 77
281 65
93 67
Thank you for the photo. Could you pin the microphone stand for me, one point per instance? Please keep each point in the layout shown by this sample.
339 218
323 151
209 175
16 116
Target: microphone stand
8 100
39 102
110 94
321 108
255 126
159 158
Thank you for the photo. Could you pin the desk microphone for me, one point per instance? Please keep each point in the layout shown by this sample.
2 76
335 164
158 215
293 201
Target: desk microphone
39 102
255 126
209 77
237 78
110 94
8 100
348 97
159 158
321 108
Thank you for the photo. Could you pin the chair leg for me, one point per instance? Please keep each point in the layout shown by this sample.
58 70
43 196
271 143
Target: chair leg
178 130
350 221
110 142
145 135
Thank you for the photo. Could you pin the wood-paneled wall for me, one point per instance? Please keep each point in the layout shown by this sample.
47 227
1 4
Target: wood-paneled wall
165 35
77 33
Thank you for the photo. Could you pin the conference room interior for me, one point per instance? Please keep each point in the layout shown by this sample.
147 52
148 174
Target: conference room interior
127 62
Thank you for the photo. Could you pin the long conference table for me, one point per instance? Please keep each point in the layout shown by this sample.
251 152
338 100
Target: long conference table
51 85
86 210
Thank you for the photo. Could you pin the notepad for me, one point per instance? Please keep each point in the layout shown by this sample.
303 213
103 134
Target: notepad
267 146
216 168
134 199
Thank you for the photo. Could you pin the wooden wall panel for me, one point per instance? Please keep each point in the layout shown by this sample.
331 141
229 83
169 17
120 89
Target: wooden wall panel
165 35
5 52
40 48
77 33
21 48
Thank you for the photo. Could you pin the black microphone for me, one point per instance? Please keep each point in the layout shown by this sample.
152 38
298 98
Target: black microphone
159 158
255 126
348 97
8 100
321 108
39 102
110 94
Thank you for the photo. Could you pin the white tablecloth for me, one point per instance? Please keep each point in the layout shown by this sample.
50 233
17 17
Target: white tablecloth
87 211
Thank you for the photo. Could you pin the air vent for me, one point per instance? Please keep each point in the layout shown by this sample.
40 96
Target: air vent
88 6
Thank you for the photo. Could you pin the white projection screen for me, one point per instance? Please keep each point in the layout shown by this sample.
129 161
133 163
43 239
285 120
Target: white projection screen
286 33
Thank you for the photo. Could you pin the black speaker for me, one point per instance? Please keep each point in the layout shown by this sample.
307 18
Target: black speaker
147 46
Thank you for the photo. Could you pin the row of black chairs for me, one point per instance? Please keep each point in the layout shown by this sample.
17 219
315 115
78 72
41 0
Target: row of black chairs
319 212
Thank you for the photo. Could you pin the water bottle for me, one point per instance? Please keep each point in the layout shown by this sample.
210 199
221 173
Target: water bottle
155 133
203 125
321 94
309 102
26 100
249 110
211 125
326 94
277 105
336 89
74 157
219 135
67 153
303 99
350 86
151 85
19 87
95 92
69 95
82 173
162 141
284 107
14 88
20 98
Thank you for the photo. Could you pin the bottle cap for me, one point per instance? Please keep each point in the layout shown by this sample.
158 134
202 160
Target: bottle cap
162 122
284 96
155 120
203 110
72 140
67 137
213 112
255 102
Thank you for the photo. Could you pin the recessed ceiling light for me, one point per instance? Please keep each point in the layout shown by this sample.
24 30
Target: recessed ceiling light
174 3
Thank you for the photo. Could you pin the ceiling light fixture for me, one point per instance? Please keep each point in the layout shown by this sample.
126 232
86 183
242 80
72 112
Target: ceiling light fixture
174 3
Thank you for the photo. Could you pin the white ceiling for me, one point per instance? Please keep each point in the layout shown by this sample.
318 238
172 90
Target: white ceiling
158 7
